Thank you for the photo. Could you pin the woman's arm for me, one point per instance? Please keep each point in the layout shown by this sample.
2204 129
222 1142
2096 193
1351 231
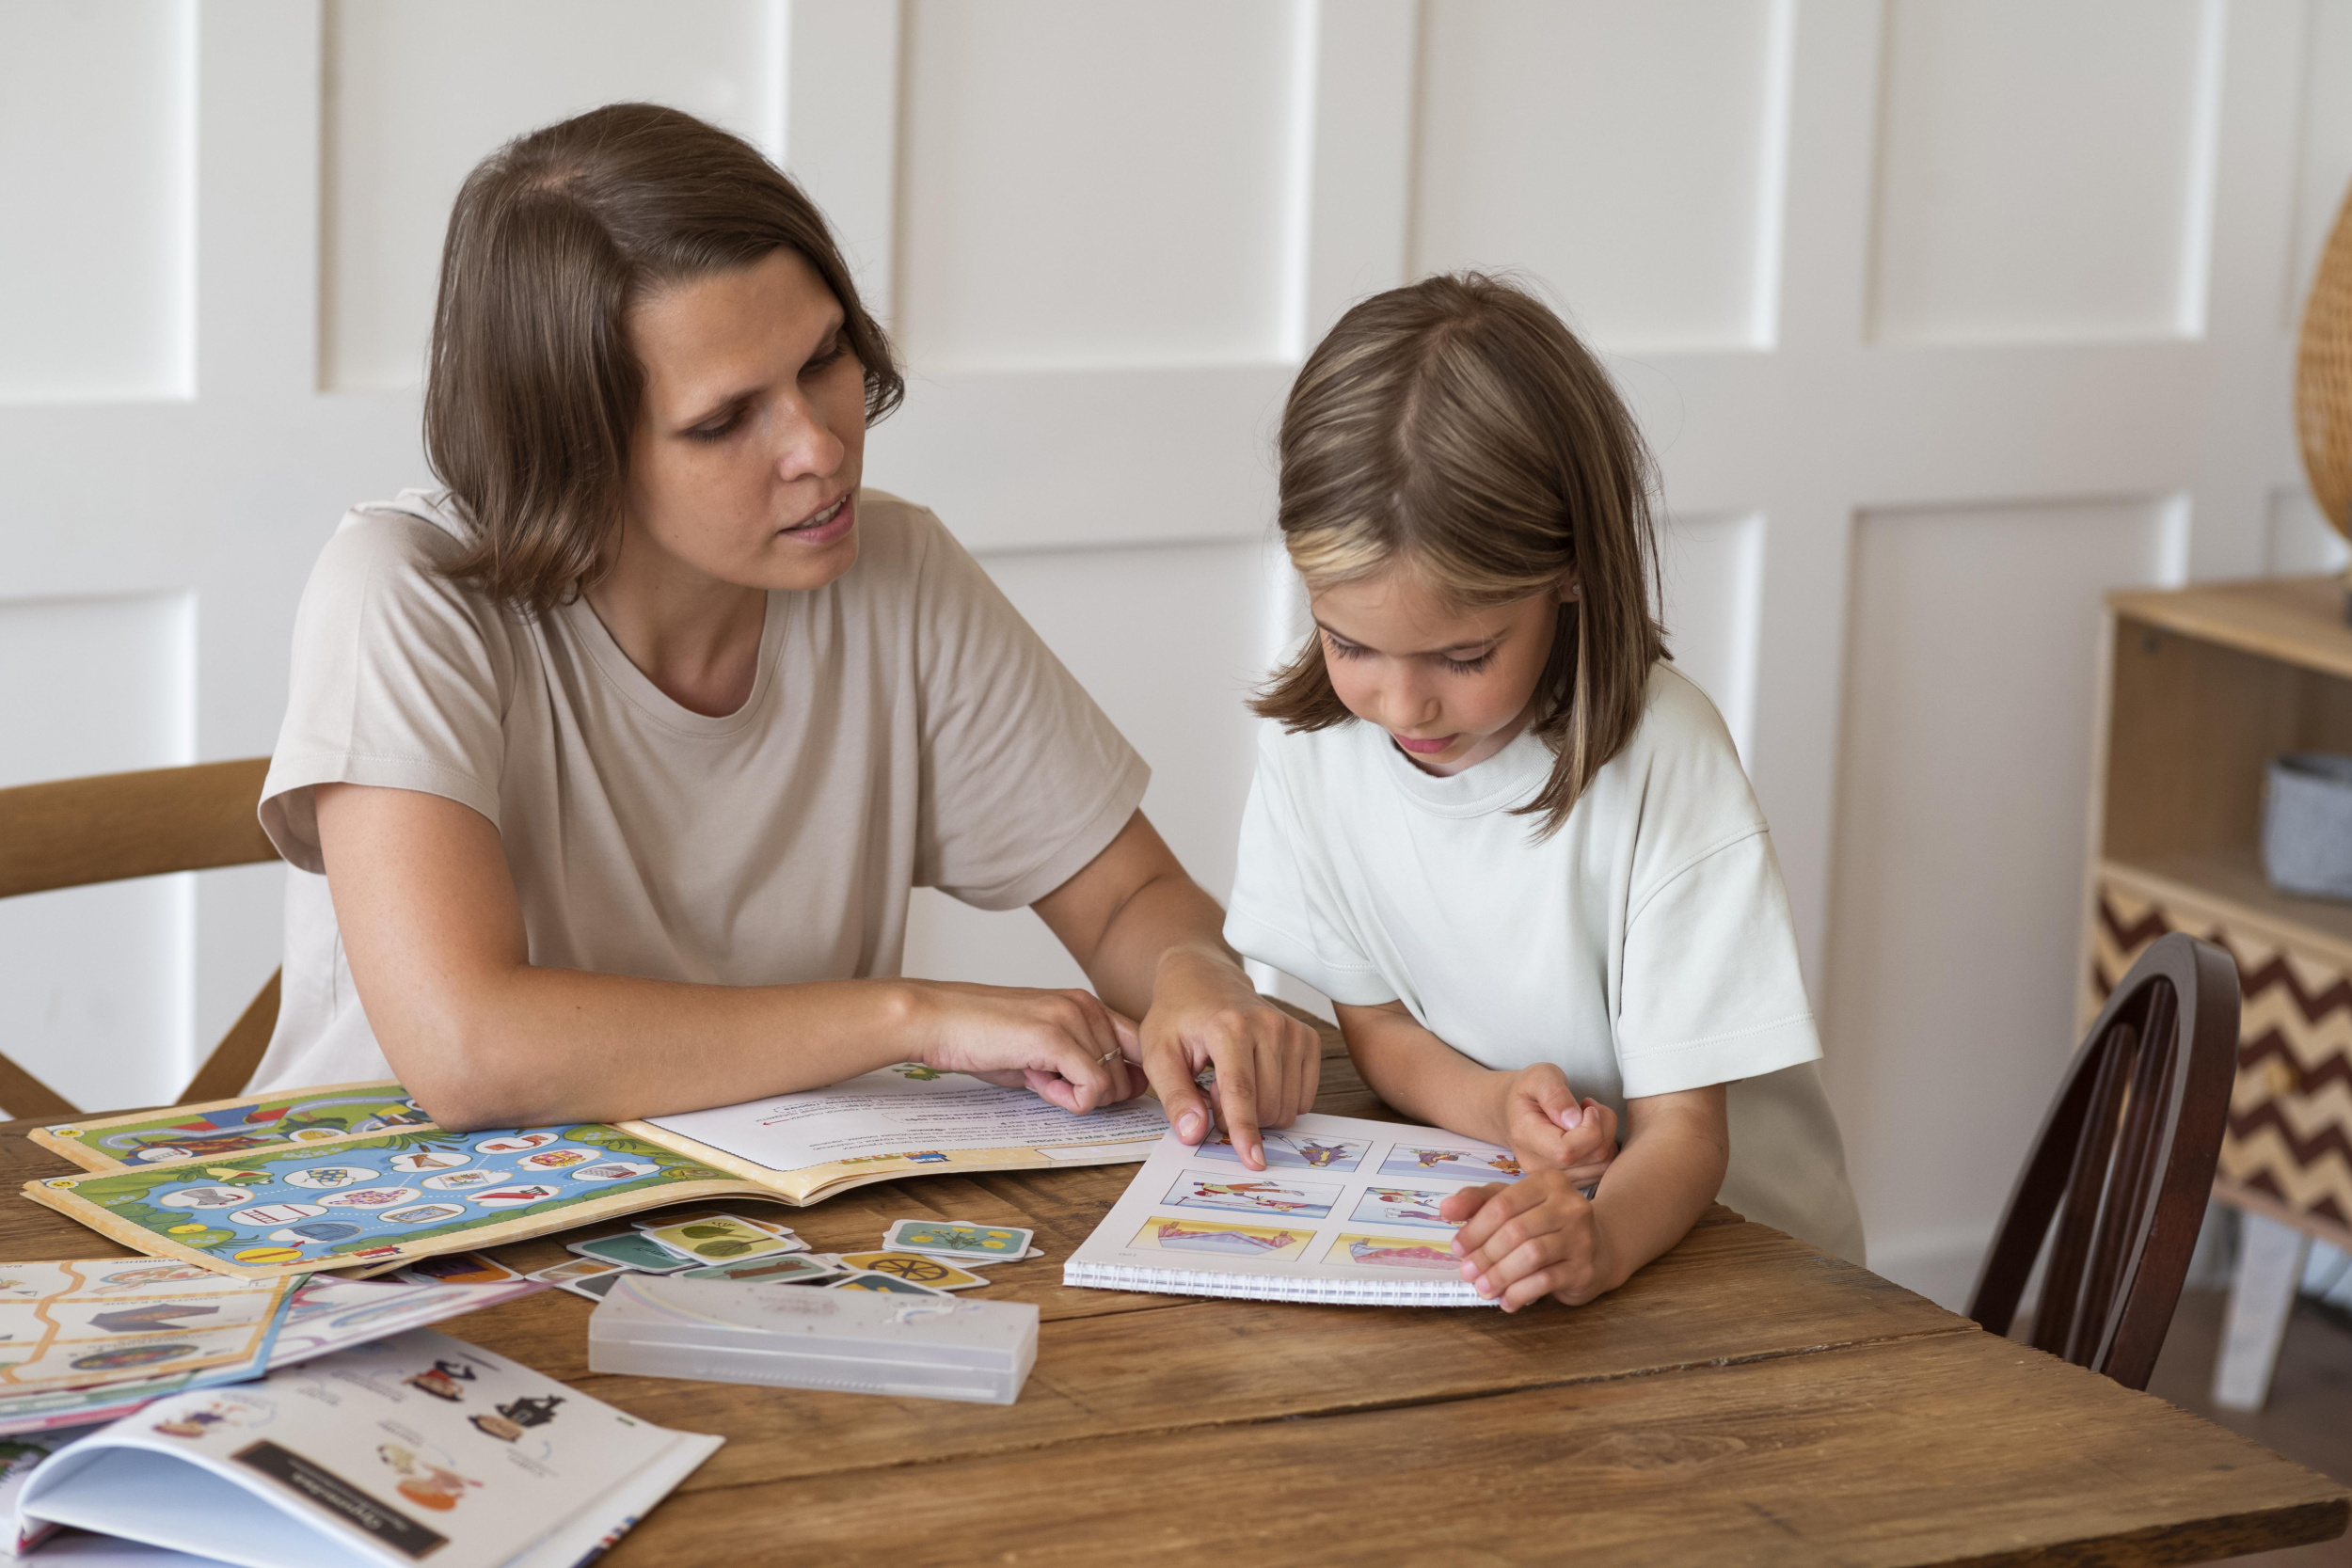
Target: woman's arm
1150 940
483 1038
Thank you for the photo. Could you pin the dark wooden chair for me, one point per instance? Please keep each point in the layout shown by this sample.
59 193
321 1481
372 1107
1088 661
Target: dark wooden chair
72 833
2124 1163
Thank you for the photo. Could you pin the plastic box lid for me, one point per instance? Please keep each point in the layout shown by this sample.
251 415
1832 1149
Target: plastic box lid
800 1319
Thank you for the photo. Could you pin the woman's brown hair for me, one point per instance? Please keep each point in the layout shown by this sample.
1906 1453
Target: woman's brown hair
532 391
1456 428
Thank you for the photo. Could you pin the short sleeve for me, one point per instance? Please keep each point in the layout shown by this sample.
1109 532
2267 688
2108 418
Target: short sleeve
1024 779
395 681
1710 991
1285 912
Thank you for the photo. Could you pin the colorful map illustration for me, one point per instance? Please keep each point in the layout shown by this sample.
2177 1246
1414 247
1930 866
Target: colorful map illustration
303 1115
1168 1235
1251 1193
1480 1163
1393 1252
1292 1150
1402 1206
376 1197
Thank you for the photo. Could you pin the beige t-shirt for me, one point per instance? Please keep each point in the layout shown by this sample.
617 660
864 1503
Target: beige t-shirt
905 728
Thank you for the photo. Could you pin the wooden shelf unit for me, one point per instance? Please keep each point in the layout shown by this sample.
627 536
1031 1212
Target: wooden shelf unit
2204 687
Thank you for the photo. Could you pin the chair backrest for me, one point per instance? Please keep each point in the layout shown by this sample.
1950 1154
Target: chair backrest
71 832
2124 1163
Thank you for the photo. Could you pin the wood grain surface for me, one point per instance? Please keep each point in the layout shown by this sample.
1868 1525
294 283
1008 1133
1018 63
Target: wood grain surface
1744 1399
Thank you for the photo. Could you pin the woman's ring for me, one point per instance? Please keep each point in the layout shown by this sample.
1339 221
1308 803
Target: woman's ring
1106 1056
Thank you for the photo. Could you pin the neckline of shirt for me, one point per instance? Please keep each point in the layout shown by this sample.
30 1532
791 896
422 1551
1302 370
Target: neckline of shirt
1509 778
640 691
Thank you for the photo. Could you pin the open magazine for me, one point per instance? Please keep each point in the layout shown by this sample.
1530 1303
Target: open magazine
1346 1210
418 1448
356 1176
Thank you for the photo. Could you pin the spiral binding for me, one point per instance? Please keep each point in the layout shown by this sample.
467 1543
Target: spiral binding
1251 1287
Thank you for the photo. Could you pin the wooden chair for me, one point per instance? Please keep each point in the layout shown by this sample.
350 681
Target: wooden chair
75 832
2124 1162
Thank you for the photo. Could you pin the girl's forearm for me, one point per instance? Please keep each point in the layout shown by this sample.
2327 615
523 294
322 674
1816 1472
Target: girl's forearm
1417 1073
1670 1170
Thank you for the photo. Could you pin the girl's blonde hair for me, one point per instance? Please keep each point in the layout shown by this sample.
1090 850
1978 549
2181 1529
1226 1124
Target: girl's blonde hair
1456 427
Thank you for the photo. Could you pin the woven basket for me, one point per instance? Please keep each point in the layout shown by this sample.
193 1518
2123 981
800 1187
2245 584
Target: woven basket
2323 381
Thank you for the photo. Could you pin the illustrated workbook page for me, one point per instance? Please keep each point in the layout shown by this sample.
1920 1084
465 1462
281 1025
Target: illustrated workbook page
232 1127
414 1448
1341 1200
907 1116
381 1198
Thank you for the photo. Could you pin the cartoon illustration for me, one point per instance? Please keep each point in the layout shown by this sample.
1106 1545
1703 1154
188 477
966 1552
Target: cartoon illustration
1295 1150
443 1380
557 1159
1482 1164
1402 1206
422 1482
1393 1252
129 1356
1230 1241
516 1415
161 1274
1259 1197
196 1423
157 1317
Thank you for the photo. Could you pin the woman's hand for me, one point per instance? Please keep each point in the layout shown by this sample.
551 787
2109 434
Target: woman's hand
1065 1046
1535 1238
1549 1130
1205 1013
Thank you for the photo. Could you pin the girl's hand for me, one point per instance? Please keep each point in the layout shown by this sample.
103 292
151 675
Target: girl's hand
1536 1237
1549 1130
1065 1046
1205 1013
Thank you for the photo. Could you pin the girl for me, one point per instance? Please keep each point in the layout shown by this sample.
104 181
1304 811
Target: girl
608 766
1510 841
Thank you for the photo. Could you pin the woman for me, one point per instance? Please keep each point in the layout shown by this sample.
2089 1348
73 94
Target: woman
621 755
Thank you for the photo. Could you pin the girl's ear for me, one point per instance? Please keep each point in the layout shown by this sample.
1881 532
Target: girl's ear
1570 588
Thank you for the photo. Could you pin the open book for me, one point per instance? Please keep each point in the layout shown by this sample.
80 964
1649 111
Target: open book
1346 1210
412 1449
357 1175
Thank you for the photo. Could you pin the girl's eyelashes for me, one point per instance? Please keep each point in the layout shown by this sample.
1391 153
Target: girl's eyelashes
1470 666
1334 643
1339 647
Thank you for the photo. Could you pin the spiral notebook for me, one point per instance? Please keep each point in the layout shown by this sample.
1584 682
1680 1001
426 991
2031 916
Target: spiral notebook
1345 1211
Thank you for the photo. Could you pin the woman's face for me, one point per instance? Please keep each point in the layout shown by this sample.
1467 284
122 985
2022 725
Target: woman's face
751 438
1451 686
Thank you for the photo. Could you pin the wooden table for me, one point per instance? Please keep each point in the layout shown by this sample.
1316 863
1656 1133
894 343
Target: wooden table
1744 1399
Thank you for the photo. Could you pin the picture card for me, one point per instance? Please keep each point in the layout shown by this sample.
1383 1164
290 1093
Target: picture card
633 1251
579 1268
457 1268
660 1222
596 1287
937 1273
789 1268
720 1239
958 1239
885 1284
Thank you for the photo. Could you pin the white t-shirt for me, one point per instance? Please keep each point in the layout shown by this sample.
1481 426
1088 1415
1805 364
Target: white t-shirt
1645 947
905 728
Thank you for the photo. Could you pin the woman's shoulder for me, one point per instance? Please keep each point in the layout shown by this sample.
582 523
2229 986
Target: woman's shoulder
416 535
387 565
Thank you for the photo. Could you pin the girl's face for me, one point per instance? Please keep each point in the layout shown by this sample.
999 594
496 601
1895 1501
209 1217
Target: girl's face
1451 686
751 438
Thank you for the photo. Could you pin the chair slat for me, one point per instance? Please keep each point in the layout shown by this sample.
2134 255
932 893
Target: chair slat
74 831
2086 1184
239 1052
2128 1187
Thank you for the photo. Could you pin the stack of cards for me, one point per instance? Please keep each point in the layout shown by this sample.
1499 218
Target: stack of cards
847 1340
678 1245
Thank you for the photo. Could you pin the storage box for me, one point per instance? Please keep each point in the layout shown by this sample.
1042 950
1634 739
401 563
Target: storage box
800 1337
2307 825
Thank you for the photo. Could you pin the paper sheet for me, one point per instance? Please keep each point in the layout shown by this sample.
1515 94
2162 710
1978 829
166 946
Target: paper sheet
906 1113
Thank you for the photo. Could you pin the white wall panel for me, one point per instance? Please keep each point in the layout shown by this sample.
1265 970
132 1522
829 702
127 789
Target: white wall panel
97 158
419 92
1628 153
1712 570
95 983
2044 168
1169 642
1087 183
2325 157
2298 540
1956 903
